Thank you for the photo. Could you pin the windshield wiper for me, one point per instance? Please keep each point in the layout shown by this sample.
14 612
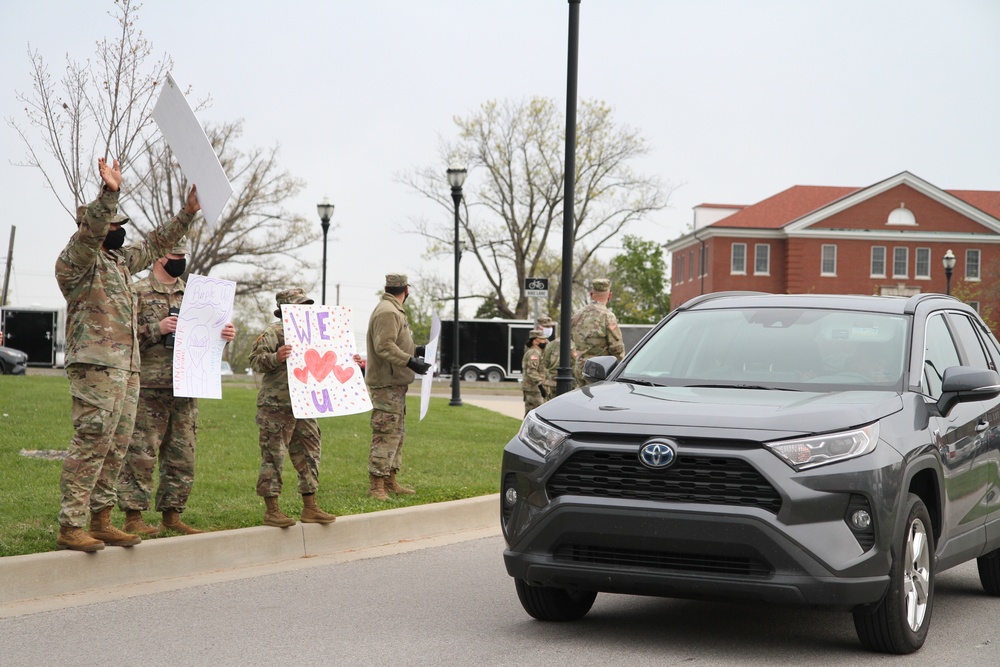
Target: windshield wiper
738 385
644 383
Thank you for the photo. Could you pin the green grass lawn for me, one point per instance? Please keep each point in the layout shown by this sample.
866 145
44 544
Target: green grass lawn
453 453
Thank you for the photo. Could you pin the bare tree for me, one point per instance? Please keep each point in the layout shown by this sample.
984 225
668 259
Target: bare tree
513 213
255 241
100 108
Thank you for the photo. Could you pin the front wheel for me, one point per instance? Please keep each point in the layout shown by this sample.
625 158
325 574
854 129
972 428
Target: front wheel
899 622
554 604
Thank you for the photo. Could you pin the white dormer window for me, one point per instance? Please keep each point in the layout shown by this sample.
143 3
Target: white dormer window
902 216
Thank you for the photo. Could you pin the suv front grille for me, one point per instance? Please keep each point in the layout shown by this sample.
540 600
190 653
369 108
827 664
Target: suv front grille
712 480
701 563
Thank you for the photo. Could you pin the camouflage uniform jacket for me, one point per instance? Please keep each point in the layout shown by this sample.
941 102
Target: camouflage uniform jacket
550 360
264 359
390 345
596 333
532 369
101 309
155 302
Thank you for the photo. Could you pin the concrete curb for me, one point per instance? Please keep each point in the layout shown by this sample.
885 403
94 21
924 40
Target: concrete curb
66 572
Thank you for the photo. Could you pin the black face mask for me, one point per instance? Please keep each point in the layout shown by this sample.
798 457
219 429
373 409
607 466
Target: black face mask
115 239
175 267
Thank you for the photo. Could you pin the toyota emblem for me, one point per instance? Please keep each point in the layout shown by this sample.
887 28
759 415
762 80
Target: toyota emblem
658 454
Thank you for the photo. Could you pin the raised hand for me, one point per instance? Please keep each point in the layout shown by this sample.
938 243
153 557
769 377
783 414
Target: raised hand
112 176
193 205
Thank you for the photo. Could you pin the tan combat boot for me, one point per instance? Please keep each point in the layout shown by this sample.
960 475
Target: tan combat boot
392 486
377 489
172 521
273 516
313 514
71 537
102 529
134 523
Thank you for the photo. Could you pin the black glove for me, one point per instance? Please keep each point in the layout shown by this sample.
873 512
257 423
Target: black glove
542 391
421 350
418 366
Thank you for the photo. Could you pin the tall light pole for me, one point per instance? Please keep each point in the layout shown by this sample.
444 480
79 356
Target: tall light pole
325 210
456 178
949 265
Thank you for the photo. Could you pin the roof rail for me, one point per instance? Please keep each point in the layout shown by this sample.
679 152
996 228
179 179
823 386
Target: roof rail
711 296
911 303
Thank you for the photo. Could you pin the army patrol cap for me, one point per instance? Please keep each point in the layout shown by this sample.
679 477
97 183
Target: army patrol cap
536 333
600 285
294 295
396 280
181 247
545 321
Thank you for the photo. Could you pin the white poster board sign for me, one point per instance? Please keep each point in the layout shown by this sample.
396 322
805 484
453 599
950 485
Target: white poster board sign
190 145
198 345
323 379
431 358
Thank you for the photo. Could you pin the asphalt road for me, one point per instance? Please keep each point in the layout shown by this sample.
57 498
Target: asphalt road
455 605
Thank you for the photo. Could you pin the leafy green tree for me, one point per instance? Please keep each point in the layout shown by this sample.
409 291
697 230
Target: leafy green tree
639 282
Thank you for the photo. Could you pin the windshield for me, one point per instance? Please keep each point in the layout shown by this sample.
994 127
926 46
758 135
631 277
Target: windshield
790 348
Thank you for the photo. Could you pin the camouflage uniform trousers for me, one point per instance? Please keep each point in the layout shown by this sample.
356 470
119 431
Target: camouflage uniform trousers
104 405
166 428
532 399
281 433
388 423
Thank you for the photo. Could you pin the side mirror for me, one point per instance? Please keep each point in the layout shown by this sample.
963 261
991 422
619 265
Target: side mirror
599 368
964 383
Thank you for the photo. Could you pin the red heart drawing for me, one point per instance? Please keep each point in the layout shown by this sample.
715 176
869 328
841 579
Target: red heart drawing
343 374
302 374
319 366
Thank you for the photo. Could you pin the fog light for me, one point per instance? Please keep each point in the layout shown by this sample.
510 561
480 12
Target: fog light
861 519
510 496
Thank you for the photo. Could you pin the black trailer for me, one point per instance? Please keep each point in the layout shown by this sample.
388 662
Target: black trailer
37 332
489 350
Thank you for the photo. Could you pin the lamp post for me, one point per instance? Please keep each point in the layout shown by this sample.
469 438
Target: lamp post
949 265
456 178
325 210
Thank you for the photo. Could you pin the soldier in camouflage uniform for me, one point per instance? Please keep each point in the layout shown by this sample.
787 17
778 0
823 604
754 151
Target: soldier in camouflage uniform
392 366
165 426
532 371
595 329
94 273
280 431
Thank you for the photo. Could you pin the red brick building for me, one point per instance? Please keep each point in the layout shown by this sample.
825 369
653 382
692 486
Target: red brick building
886 238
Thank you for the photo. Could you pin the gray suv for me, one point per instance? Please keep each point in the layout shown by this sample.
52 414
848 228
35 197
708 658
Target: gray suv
815 450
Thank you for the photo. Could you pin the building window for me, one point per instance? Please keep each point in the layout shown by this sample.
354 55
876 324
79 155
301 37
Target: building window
828 261
878 261
739 261
900 262
690 273
974 305
704 261
972 265
680 268
762 259
922 263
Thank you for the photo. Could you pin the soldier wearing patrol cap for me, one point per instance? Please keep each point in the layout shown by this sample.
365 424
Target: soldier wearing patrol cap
550 359
393 363
595 329
165 425
94 272
280 432
532 371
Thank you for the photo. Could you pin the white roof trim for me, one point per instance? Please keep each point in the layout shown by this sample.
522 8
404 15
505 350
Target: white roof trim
903 178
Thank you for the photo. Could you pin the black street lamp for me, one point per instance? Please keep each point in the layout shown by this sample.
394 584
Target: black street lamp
325 210
456 177
949 265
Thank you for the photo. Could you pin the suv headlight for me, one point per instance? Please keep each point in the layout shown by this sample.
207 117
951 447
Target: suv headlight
819 450
540 436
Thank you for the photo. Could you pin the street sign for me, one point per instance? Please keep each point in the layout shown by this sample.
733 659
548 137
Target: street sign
536 287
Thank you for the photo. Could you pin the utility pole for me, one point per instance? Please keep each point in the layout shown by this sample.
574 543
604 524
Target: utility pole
6 272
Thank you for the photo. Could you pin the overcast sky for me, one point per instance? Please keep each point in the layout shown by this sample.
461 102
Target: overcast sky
738 99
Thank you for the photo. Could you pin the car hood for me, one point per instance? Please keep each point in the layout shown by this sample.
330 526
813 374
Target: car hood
753 413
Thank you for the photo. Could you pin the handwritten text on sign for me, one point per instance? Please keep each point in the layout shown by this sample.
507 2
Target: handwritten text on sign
323 379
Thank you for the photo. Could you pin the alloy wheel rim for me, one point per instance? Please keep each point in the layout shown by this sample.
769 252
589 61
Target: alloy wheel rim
916 575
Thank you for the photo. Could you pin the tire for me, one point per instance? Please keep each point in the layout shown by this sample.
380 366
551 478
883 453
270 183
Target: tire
554 604
989 571
494 375
470 375
899 622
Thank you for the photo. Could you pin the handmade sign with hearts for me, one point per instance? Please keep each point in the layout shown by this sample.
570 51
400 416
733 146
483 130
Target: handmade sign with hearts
323 379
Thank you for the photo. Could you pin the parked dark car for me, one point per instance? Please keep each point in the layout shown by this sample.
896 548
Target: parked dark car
12 362
814 450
